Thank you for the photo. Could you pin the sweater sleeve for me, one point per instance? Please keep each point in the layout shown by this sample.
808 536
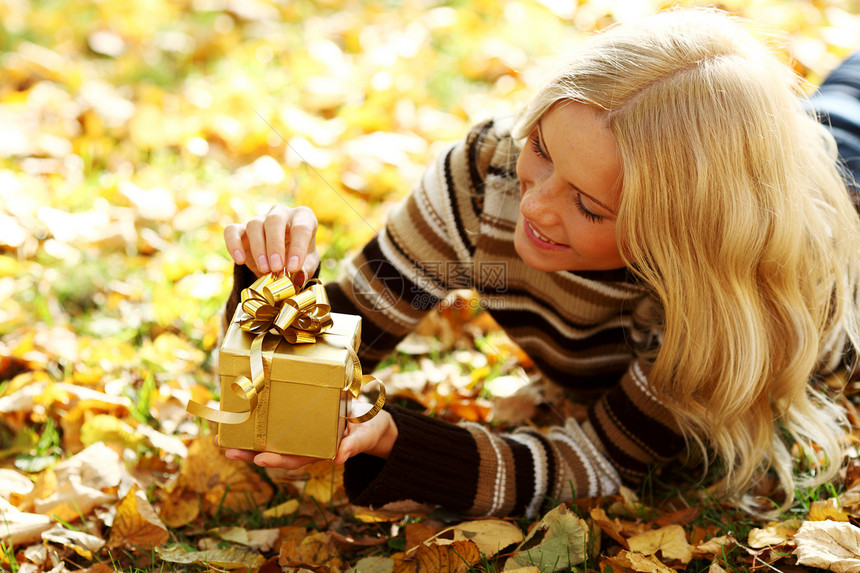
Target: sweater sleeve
470 469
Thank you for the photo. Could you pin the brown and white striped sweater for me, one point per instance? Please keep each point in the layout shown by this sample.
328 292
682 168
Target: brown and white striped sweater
581 329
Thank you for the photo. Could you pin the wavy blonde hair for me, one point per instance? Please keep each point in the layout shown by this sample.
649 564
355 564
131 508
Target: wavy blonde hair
732 210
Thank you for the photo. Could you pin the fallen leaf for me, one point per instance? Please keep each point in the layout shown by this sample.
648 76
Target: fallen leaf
638 562
610 527
490 535
20 528
714 546
14 482
681 517
376 564
289 507
418 533
457 557
136 524
325 481
775 533
832 545
559 541
823 509
232 557
389 512
314 550
221 481
82 543
71 500
671 541
179 508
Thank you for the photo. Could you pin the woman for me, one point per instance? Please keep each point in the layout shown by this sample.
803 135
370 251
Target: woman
675 235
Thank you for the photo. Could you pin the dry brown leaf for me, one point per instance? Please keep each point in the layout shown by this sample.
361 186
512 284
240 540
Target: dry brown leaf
136 524
82 543
20 528
325 481
179 508
775 533
671 541
457 557
289 507
315 550
714 546
639 562
418 533
221 481
823 509
490 535
612 528
681 517
832 545
389 512
232 557
71 500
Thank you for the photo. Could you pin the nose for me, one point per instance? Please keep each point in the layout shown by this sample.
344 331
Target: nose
542 200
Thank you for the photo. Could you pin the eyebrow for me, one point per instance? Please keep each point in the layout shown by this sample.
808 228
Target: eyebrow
546 149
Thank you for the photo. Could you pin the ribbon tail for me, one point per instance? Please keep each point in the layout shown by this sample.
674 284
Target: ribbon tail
377 406
219 416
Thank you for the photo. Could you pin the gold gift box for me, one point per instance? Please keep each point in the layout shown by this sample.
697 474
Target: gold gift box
308 397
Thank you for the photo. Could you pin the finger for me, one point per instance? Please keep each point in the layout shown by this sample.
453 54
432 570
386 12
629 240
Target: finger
273 460
275 226
360 439
233 241
303 229
244 455
257 240
312 261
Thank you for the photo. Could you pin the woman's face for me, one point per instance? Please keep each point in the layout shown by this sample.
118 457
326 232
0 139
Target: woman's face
570 174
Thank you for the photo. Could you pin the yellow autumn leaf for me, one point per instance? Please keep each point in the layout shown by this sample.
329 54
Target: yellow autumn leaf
325 481
774 533
670 541
458 557
136 524
179 508
314 550
823 509
221 481
289 507
490 535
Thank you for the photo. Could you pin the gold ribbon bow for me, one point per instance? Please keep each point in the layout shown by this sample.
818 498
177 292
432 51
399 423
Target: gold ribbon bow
273 305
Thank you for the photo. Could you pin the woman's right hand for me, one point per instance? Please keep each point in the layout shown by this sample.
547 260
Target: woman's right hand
375 437
285 238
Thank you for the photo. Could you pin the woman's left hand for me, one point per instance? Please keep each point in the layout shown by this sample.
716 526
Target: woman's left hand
375 437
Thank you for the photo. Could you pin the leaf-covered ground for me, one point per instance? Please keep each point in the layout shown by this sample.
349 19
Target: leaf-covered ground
131 133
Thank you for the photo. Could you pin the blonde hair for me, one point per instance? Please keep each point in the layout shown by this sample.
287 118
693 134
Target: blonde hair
732 210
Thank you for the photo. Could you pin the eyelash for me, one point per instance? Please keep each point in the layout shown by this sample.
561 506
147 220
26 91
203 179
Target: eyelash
577 200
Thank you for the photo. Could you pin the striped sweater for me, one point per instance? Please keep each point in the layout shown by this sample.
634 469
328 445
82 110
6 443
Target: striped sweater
581 329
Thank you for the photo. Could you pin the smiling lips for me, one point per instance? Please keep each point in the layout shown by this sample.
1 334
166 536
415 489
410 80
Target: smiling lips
543 239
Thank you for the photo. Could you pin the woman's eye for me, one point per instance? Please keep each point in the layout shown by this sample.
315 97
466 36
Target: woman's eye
536 146
591 217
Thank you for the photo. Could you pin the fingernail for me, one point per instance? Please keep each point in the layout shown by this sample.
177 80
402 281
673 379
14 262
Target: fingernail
262 464
263 263
238 256
293 264
275 261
